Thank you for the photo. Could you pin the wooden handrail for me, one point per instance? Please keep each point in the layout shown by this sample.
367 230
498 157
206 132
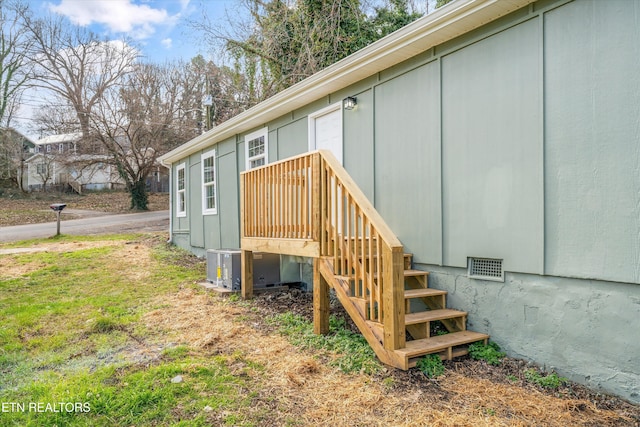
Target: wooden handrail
343 176
309 205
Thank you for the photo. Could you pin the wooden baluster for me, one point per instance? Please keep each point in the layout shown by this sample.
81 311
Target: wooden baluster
289 208
337 247
324 249
379 268
372 260
296 199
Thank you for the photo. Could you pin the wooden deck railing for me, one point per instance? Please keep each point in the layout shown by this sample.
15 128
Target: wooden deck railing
278 200
309 205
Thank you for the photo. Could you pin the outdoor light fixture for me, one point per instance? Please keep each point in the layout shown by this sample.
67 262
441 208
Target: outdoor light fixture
350 103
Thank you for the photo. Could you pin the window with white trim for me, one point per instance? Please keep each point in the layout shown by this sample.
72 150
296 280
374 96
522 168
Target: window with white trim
181 191
208 161
256 148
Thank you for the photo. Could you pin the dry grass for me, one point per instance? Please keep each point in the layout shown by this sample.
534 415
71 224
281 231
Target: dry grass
10 269
297 385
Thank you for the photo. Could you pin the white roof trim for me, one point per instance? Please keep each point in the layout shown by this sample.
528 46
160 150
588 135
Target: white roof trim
446 23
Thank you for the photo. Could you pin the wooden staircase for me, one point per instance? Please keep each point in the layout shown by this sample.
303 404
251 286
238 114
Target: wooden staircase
309 206
420 342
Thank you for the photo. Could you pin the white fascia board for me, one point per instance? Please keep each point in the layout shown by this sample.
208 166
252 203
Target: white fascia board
446 23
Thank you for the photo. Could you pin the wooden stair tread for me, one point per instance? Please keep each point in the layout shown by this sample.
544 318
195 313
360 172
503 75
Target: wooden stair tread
417 293
439 343
409 273
432 315
404 255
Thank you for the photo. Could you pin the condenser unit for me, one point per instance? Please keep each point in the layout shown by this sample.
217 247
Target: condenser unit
223 269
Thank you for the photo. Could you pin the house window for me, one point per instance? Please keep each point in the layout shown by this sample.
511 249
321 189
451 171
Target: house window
48 148
209 205
256 145
181 194
60 148
41 168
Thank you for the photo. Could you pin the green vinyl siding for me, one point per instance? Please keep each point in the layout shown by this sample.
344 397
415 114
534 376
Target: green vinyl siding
194 212
229 213
492 151
358 143
292 139
592 159
407 160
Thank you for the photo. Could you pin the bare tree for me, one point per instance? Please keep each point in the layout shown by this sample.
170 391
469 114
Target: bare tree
144 118
286 41
14 151
13 45
54 121
221 93
75 64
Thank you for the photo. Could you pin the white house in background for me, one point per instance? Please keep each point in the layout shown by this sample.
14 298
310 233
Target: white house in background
61 160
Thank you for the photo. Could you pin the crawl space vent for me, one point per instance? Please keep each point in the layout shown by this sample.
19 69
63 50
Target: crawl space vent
486 269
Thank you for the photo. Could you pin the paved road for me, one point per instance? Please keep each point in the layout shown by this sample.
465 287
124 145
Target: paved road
122 223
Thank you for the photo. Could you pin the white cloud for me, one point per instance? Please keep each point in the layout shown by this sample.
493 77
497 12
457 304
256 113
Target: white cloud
167 43
120 16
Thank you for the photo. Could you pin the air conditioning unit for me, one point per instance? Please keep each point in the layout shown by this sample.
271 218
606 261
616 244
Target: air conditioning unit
223 269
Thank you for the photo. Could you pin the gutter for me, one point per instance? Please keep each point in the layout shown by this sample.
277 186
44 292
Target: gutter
446 23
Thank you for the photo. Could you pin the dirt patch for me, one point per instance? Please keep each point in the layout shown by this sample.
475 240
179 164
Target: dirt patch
297 385
134 251
11 268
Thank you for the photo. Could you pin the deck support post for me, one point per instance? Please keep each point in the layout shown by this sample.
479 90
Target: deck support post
320 301
393 298
246 265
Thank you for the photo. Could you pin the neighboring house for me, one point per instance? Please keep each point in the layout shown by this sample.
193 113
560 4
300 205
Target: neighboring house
60 160
15 148
498 140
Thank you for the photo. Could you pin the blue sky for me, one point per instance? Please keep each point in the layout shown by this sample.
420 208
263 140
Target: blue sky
156 26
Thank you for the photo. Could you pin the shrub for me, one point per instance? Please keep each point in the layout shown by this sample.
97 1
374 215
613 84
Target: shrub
552 380
490 353
431 365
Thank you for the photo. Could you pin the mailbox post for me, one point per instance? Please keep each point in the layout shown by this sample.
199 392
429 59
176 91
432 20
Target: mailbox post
57 208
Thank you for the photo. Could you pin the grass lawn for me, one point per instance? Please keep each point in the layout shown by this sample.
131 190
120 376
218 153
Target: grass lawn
114 331
74 349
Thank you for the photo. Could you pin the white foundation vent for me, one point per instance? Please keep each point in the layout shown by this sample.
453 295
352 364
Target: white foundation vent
486 269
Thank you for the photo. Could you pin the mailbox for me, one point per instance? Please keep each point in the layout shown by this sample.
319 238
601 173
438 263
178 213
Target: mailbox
57 208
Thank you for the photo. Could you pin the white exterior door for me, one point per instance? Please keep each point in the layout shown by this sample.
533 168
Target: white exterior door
325 130
325 133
